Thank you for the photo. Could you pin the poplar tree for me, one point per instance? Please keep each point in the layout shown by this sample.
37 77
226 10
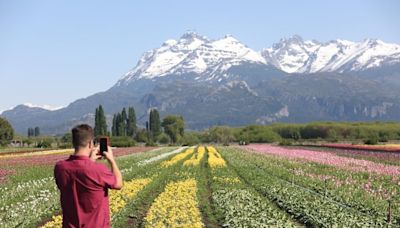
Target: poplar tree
154 123
131 123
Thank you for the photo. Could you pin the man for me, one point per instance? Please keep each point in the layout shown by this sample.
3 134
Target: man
84 184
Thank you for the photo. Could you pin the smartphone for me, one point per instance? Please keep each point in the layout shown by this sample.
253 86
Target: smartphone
104 143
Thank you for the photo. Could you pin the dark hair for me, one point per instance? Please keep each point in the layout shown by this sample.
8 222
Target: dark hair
82 135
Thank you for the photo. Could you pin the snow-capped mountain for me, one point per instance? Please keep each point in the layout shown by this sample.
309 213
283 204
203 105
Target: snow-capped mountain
192 53
224 82
294 55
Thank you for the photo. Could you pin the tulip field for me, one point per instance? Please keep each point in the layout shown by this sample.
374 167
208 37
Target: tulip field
258 185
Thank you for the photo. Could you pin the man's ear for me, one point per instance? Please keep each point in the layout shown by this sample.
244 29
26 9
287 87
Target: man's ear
91 144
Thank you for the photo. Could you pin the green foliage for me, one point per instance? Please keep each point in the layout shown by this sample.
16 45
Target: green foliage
6 132
174 127
372 140
189 139
27 141
122 141
141 135
37 131
335 131
163 138
45 142
124 124
221 134
258 134
285 142
150 143
131 127
66 140
100 123
154 123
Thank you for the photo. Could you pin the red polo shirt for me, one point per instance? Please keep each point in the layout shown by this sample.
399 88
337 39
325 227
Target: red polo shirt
84 188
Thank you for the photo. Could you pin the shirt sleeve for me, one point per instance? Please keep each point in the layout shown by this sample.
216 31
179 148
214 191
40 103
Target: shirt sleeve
107 178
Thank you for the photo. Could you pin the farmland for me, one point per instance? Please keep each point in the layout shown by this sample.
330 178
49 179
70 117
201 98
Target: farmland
258 185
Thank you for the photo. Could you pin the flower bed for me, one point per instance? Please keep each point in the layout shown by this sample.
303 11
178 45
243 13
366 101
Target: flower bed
177 206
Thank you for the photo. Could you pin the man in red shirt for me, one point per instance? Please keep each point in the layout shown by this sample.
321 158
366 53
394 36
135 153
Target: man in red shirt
84 183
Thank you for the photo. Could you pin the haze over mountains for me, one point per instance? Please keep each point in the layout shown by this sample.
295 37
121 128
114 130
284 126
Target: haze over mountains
223 81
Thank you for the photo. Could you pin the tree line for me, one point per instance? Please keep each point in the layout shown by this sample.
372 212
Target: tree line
124 129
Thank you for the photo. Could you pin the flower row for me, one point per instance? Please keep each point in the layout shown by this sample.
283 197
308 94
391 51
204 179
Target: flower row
196 158
161 156
177 206
214 158
178 157
330 159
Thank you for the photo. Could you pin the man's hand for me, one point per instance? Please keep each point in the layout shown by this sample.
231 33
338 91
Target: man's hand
95 154
109 154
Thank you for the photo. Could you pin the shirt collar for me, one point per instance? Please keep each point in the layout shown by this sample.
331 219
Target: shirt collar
78 157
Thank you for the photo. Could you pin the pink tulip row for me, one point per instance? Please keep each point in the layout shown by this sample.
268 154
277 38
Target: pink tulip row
364 147
327 158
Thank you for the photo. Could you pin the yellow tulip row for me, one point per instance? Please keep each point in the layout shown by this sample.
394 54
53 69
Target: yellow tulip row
35 153
214 158
177 158
118 199
196 158
177 206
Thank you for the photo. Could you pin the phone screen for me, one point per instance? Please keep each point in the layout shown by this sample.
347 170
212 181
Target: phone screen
103 145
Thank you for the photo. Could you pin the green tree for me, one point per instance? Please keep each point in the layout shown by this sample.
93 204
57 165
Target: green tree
189 139
124 120
37 131
6 132
120 125
141 135
131 123
100 122
163 138
154 123
31 132
222 134
174 127
114 126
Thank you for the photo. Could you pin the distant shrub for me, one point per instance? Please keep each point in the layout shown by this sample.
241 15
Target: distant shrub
122 141
163 138
150 143
371 141
189 139
258 134
45 143
285 142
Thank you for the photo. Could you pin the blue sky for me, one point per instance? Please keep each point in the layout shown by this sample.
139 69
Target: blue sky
54 52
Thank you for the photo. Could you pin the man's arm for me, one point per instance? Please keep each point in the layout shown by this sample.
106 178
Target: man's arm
114 167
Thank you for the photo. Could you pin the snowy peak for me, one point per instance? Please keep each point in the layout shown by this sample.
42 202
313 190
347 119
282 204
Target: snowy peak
294 55
192 53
